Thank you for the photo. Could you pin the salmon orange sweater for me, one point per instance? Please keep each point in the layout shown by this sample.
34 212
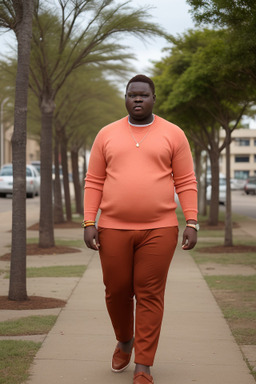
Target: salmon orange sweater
134 186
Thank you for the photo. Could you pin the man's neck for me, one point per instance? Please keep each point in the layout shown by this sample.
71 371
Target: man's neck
146 121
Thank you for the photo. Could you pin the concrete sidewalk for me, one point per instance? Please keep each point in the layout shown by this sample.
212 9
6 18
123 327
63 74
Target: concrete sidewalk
196 345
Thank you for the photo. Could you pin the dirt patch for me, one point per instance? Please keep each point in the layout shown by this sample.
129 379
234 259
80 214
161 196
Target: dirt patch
35 250
223 249
64 225
209 269
240 300
33 302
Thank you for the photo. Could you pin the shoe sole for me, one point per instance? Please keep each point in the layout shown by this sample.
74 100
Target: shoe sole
120 370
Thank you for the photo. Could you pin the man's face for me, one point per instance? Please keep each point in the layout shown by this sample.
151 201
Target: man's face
139 102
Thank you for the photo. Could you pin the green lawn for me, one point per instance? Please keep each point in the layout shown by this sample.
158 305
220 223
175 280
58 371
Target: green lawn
31 325
55 271
15 359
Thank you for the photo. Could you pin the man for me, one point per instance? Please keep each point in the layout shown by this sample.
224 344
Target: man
134 166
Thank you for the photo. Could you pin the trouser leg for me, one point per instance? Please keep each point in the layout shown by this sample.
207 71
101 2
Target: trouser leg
152 258
137 262
116 253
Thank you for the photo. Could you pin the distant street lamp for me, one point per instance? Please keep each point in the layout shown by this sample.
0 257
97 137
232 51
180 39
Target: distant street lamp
2 130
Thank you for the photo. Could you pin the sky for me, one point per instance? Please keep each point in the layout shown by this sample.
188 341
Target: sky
172 15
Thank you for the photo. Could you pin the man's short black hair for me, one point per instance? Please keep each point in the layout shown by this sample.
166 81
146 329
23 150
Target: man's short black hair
142 79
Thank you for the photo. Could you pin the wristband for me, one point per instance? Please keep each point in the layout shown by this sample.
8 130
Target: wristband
87 223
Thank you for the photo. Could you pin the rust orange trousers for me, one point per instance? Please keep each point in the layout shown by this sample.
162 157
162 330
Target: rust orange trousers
135 265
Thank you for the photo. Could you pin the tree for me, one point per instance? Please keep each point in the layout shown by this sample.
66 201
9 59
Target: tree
60 46
239 17
17 16
207 94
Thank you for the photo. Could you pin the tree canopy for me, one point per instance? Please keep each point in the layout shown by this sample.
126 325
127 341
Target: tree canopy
199 90
239 18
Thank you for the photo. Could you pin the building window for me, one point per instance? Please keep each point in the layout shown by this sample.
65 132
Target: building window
254 158
241 175
242 142
242 159
254 141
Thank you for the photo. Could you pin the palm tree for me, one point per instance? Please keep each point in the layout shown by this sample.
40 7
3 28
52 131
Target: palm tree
16 15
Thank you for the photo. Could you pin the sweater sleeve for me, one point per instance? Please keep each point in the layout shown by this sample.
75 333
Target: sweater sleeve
184 178
94 180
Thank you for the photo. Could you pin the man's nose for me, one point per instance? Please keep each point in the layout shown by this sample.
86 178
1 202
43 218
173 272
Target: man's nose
138 98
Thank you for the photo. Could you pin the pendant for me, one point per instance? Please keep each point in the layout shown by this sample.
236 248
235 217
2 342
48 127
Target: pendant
137 145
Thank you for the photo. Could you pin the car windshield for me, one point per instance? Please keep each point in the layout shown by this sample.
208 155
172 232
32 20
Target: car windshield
28 172
6 171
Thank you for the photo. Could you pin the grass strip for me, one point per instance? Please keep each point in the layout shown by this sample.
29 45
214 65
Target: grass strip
247 259
31 325
236 283
232 313
245 336
67 243
55 271
15 359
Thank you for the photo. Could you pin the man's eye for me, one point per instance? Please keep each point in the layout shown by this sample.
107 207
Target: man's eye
132 96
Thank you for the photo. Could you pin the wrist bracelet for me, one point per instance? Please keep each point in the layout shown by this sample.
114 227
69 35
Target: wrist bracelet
87 223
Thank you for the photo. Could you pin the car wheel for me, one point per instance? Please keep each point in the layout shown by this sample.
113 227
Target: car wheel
31 195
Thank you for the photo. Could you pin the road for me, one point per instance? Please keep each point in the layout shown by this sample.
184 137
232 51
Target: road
6 203
241 203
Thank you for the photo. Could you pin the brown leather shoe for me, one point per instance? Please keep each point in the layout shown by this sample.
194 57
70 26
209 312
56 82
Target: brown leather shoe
120 360
142 378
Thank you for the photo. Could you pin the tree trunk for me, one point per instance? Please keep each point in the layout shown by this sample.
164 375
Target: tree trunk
228 220
64 162
46 229
214 203
17 285
76 181
58 207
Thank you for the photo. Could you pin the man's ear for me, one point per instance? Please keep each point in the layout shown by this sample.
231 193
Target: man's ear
154 98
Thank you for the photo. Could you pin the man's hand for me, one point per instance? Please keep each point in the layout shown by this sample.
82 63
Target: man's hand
189 239
91 237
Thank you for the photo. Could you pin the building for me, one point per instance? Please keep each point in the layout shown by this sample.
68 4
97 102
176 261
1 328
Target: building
242 153
32 150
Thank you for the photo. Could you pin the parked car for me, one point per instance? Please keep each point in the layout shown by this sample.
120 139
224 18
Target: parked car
237 184
250 185
222 191
32 180
37 165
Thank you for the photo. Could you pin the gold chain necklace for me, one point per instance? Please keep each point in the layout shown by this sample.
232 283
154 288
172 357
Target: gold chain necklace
144 137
